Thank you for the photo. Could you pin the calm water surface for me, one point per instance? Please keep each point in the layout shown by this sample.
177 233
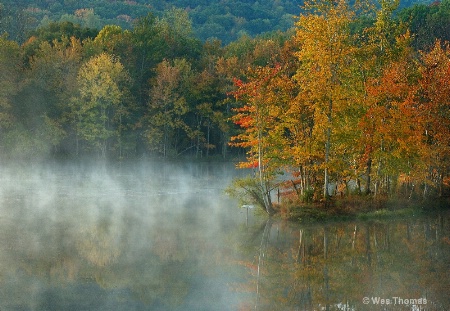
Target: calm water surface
165 237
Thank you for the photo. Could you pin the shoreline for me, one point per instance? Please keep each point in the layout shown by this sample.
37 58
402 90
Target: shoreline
359 208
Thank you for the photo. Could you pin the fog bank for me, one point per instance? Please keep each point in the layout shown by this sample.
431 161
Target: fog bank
131 237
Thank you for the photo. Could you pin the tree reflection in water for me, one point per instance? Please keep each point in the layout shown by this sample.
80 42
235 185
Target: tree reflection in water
334 266
99 241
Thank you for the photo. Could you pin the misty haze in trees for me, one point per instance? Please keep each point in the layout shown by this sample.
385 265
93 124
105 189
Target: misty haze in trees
350 104
351 99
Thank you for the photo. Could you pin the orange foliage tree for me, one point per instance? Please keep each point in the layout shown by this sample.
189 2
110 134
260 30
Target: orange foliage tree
265 97
434 116
390 125
347 105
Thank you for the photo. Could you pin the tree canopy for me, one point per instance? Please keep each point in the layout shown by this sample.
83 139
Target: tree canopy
345 99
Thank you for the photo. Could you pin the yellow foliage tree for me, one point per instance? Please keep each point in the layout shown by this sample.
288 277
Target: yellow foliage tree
325 54
98 111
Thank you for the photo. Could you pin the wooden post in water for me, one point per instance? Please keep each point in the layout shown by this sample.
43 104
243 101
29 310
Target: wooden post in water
247 207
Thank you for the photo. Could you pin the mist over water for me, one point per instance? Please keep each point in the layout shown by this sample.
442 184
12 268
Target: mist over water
99 237
159 236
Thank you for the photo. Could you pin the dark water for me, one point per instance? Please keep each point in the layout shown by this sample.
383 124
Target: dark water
165 237
377 265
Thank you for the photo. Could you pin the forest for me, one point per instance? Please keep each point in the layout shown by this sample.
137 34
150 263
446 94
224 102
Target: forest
353 98
226 20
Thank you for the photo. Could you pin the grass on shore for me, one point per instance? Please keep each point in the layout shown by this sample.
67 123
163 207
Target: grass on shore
357 207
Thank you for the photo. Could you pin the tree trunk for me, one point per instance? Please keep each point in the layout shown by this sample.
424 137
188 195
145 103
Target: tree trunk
327 149
263 183
368 172
165 141
302 184
207 138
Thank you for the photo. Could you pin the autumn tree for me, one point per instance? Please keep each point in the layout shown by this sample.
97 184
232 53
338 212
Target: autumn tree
99 109
167 106
434 116
227 68
394 125
205 99
386 63
49 80
208 100
55 32
264 98
52 76
325 53
379 43
114 40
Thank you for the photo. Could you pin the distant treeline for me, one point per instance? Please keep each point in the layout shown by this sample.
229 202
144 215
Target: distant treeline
226 20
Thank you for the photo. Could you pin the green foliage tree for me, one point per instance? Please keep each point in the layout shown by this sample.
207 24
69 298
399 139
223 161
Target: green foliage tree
148 50
176 29
427 23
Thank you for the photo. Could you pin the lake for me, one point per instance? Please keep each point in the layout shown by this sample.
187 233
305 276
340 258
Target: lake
154 236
